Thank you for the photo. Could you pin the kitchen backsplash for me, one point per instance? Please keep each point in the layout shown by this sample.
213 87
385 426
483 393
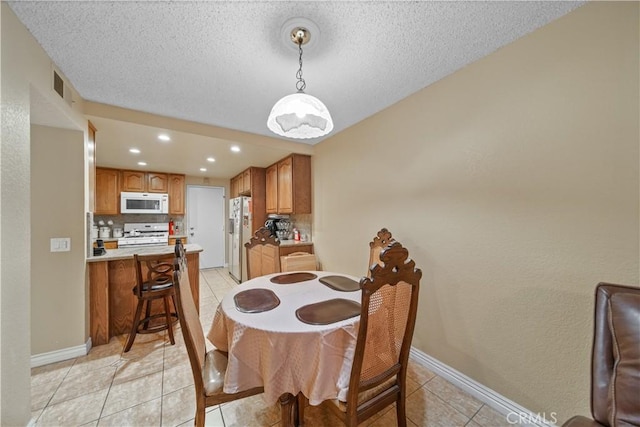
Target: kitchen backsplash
303 223
120 220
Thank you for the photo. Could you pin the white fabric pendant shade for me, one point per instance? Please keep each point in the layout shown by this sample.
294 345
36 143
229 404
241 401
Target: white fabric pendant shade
300 116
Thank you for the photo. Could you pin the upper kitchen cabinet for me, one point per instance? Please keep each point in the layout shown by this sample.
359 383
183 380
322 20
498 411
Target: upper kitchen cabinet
272 189
134 181
107 194
288 185
251 182
157 182
176 194
145 182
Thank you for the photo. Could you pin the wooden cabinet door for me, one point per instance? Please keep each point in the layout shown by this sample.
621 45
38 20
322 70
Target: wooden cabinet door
133 181
176 194
285 186
107 191
246 182
233 187
271 180
157 182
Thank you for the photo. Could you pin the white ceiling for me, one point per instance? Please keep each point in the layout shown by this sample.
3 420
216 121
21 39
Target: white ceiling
224 63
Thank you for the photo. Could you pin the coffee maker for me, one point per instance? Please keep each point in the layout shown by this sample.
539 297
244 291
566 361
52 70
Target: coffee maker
278 225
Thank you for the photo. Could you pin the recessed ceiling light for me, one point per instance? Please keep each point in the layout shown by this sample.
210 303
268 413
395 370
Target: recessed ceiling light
235 148
203 169
134 150
164 137
211 159
142 163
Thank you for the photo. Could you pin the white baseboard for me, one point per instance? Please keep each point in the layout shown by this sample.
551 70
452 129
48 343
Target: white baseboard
514 413
60 355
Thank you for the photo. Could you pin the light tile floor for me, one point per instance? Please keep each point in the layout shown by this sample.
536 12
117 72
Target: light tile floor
152 385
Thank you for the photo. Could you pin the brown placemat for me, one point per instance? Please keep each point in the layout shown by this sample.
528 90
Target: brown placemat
340 283
330 311
286 279
256 300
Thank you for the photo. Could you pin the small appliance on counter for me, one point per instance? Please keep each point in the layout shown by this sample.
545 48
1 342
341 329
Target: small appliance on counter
99 249
279 226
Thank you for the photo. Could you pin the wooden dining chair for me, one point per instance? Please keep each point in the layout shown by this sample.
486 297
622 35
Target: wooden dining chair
388 315
298 261
382 239
263 254
208 367
156 284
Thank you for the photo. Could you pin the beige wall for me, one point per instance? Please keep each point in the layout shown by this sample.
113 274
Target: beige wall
514 185
24 68
57 210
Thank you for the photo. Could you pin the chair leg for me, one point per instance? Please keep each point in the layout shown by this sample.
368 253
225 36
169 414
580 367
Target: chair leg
147 315
134 327
302 402
167 315
401 411
200 414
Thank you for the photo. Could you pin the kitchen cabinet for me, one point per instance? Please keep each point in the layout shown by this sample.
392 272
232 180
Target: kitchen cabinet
251 182
145 182
157 182
172 240
176 194
133 181
112 304
246 182
107 195
271 179
233 187
298 247
288 185
112 244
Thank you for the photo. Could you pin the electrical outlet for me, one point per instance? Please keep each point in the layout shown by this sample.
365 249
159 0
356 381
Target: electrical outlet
60 244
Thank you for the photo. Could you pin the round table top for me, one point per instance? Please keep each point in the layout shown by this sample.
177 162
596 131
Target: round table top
292 296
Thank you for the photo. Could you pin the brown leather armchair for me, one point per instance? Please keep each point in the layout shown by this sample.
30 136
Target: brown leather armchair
615 359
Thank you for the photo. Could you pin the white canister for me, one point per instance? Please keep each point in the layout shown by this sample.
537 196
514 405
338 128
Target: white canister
117 232
94 232
105 232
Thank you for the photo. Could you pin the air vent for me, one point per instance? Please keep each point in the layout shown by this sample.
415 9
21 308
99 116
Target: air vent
61 88
58 84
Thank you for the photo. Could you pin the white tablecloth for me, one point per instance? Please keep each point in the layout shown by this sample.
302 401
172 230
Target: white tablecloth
275 350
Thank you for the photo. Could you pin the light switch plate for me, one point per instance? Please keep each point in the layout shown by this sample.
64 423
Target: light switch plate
60 244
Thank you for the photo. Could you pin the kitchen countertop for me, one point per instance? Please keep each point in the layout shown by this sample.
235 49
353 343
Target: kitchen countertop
127 253
294 243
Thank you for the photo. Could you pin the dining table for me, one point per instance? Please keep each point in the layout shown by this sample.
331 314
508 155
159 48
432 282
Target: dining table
290 333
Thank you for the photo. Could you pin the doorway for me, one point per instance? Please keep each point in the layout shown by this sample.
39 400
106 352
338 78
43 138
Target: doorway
205 223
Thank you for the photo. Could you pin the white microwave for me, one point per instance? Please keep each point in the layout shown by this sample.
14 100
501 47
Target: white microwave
144 203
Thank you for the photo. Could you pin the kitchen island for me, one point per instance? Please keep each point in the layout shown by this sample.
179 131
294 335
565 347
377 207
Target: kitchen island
112 277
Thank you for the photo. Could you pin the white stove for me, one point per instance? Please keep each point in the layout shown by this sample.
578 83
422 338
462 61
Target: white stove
145 234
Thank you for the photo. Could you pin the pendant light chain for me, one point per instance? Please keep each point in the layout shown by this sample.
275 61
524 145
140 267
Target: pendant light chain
300 84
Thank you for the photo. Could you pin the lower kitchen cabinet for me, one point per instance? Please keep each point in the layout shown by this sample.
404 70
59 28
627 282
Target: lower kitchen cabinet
298 247
172 240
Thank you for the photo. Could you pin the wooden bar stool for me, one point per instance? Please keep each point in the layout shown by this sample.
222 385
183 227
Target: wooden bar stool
158 284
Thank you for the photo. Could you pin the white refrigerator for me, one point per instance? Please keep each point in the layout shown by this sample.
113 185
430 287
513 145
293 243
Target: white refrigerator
239 233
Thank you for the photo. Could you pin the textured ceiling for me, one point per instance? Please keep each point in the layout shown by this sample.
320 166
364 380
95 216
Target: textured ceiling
225 63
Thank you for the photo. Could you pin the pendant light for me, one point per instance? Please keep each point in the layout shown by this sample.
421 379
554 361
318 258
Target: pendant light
299 115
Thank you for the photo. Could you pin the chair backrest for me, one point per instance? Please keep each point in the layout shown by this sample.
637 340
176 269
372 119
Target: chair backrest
152 268
381 241
298 261
180 253
387 321
263 254
615 360
189 322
